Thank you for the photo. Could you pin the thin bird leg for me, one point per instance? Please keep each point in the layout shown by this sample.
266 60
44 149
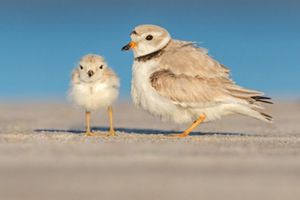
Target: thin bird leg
111 127
88 126
191 128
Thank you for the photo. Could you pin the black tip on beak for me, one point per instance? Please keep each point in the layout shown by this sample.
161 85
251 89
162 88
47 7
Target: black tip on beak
90 73
126 47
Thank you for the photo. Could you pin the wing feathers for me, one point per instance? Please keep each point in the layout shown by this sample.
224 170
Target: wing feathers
186 89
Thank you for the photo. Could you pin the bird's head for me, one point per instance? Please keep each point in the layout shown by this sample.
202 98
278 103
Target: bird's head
146 39
91 68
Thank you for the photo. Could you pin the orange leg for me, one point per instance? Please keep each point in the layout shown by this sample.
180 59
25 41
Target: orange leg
111 126
191 128
88 124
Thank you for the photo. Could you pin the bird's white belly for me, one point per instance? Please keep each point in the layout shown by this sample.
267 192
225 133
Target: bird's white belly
145 96
93 96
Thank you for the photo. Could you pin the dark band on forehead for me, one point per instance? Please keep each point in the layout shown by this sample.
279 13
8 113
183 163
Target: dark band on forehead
133 32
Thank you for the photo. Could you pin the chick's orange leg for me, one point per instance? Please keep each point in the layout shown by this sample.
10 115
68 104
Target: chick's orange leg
191 128
111 126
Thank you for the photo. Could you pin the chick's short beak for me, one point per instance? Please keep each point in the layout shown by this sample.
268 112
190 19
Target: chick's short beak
90 73
130 45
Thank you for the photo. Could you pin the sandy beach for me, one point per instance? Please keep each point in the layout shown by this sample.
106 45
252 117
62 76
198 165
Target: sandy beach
44 155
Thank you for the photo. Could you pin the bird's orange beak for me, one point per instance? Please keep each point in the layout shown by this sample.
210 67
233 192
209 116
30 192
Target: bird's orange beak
129 46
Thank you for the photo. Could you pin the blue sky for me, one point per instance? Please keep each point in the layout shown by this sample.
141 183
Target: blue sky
41 41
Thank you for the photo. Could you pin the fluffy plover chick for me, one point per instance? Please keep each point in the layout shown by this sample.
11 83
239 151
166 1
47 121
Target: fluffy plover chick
177 80
93 86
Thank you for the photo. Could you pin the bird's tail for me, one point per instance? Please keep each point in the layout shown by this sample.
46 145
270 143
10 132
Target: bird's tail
251 111
262 99
257 104
250 102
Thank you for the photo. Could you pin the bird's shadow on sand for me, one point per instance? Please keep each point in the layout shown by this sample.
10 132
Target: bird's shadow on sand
139 131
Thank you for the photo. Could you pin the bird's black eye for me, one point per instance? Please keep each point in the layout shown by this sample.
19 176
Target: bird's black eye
101 67
149 37
81 67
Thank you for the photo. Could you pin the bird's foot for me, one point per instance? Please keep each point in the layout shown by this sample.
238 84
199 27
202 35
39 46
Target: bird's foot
180 135
111 133
190 129
88 133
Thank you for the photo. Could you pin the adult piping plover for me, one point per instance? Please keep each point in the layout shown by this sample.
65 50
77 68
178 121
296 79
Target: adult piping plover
177 80
94 85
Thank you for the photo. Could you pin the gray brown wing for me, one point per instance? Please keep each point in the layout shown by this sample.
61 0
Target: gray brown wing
184 89
188 74
186 58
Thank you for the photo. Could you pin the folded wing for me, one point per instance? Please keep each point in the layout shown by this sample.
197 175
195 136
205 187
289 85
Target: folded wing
188 76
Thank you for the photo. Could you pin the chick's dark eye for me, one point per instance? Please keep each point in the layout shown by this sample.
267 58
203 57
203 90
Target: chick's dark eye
81 67
149 37
101 67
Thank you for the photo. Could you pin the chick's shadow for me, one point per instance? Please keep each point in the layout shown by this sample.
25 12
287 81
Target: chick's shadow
139 131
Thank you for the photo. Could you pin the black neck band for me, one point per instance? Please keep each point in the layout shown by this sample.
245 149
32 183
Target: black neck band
149 56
